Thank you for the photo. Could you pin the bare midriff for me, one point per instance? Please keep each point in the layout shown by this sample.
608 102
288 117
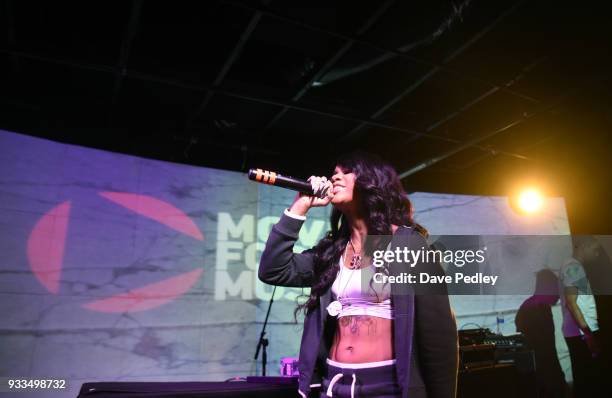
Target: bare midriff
362 338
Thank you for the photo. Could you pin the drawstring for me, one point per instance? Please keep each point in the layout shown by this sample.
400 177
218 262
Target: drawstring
311 386
335 379
332 382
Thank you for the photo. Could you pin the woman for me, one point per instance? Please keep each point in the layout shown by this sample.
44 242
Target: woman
375 340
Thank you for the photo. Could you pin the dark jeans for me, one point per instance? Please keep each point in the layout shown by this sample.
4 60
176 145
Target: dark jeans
371 382
586 370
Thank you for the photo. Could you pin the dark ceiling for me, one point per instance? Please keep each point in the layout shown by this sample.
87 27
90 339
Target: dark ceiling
468 97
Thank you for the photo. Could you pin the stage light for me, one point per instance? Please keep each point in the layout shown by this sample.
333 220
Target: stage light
530 200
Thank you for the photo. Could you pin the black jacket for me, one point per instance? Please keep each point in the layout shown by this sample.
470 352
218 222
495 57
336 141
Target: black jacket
424 328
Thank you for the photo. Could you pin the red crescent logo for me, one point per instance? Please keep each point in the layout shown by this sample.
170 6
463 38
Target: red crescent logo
47 243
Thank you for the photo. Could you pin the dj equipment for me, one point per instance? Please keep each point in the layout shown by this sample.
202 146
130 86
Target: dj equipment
512 342
513 350
472 336
476 356
493 365
481 347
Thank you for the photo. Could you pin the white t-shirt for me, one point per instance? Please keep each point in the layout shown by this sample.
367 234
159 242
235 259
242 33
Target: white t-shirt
572 275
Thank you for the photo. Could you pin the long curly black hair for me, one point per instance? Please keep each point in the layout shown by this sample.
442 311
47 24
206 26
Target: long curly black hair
383 202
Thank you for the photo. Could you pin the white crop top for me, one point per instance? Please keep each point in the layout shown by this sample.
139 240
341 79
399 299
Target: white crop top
351 298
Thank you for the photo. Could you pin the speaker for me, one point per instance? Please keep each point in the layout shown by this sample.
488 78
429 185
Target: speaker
498 381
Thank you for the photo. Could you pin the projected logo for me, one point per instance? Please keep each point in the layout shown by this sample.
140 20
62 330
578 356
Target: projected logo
47 245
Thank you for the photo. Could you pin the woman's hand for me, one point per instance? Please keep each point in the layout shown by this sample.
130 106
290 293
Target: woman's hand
303 202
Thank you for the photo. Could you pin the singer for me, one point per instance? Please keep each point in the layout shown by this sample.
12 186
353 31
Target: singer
355 343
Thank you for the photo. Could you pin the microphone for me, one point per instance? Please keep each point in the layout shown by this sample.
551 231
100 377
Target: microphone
279 180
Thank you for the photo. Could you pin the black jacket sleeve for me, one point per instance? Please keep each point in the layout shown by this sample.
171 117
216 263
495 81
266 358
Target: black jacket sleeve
436 336
435 331
279 265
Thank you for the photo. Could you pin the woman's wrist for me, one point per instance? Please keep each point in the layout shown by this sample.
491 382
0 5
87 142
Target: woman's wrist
299 208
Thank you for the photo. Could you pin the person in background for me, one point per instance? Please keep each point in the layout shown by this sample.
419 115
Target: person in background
535 321
580 324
